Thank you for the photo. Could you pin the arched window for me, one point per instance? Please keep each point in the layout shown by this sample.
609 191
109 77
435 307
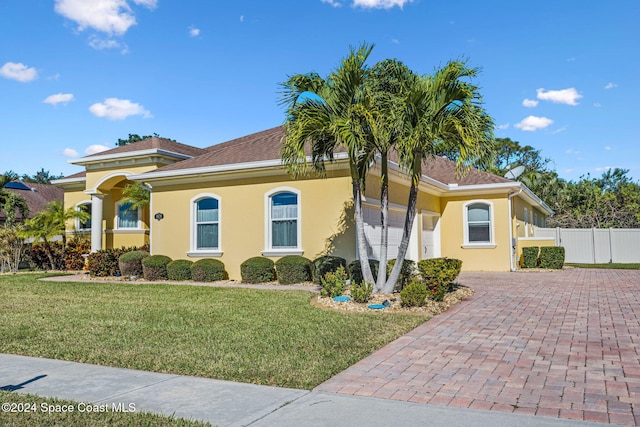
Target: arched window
283 211
86 224
478 223
207 223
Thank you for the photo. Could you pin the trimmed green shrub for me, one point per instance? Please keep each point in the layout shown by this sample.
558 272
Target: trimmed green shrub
552 257
355 270
154 267
130 263
530 257
439 274
406 272
179 269
361 292
292 269
76 247
257 270
326 264
208 270
414 294
334 283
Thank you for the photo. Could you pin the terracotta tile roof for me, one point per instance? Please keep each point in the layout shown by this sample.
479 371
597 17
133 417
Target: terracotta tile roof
36 199
265 145
151 143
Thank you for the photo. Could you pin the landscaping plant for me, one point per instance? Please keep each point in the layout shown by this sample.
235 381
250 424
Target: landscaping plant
334 283
257 270
208 270
292 269
179 269
155 267
414 294
130 263
361 292
326 264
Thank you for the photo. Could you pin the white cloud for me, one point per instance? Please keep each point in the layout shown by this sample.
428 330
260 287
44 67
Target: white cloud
571 151
59 98
118 109
610 85
95 148
395 41
608 148
380 4
107 16
565 96
69 152
502 127
241 18
18 71
100 44
332 3
568 170
530 103
559 130
597 104
533 123
572 59
194 32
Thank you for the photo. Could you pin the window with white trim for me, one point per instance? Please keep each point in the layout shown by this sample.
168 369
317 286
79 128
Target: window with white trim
284 220
207 223
478 223
127 217
84 225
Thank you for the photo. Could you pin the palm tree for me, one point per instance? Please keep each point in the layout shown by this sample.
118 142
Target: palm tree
440 108
388 83
10 202
49 223
137 194
328 114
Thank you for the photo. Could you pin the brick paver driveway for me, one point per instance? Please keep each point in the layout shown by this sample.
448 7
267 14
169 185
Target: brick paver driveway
563 344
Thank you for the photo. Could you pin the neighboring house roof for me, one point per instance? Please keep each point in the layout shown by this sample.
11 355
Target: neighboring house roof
37 196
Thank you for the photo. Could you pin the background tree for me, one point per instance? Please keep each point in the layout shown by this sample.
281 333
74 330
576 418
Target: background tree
134 137
41 177
137 194
50 223
11 247
11 203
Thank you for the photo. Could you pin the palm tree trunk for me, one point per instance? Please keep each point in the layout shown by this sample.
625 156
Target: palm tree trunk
360 238
404 244
49 252
384 219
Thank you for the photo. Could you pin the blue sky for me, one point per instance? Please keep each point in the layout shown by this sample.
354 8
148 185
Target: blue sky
76 75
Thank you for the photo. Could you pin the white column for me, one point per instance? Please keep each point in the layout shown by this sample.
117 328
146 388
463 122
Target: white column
96 222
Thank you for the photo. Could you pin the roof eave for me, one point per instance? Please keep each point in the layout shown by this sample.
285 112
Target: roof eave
129 154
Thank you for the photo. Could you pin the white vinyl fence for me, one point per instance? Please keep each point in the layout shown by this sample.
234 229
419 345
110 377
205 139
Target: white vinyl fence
595 245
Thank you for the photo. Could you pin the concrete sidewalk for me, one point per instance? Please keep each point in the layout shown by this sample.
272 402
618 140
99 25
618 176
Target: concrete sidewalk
225 403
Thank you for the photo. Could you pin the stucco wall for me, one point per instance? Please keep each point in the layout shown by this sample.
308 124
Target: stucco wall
326 217
476 258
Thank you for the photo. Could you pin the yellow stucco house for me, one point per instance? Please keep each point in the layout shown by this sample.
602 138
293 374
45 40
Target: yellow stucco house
235 200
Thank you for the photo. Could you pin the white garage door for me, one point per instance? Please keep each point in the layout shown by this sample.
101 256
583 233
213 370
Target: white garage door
373 233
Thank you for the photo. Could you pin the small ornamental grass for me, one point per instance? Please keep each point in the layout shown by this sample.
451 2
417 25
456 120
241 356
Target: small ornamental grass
293 269
130 263
179 269
334 284
257 270
154 267
208 270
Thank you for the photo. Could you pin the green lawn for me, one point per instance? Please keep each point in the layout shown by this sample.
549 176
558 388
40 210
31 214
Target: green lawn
609 266
37 411
247 335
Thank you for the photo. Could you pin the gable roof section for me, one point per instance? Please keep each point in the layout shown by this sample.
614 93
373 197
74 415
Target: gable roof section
151 150
37 197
